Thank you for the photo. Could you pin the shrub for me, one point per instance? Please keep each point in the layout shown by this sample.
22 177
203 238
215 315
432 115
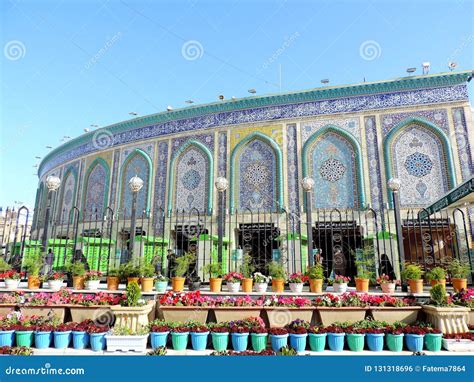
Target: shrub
459 269
214 270
412 272
437 273
316 272
247 268
133 295
33 264
77 268
438 295
182 264
276 270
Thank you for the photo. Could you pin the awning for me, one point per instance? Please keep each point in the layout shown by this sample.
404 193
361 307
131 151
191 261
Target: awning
29 243
97 240
151 239
381 235
214 238
292 236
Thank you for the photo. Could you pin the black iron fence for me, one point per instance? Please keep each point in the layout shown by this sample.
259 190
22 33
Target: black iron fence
343 239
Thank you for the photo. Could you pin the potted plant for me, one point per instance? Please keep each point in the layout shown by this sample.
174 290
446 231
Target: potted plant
414 338
161 283
278 274
335 337
159 330
298 332
413 273
281 310
391 309
62 335
77 270
133 310
199 334
179 336
233 280
43 333
317 338
375 334
278 338
97 336
436 275
296 281
458 271
258 336
239 332
24 332
113 279
180 269
12 279
55 280
315 274
123 338
465 298
387 285
247 268
261 282
462 342
364 265
355 337
214 270
184 306
219 336
340 283
443 314
92 280
33 265
194 282
351 307
235 308
80 336
394 336
130 271
7 328
433 339
147 272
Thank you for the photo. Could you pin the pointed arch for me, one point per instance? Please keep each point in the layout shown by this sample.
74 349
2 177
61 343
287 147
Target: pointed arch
172 187
123 189
352 141
278 170
70 172
398 130
105 166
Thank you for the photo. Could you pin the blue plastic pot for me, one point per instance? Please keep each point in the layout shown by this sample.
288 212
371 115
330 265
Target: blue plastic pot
7 337
42 340
240 341
158 339
279 341
62 339
414 342
336 341
199 340
298 342
317 342
375 341
97 341
161 286
80 340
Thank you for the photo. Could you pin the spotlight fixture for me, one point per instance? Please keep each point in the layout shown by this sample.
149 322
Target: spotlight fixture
94 126
169 108
252 91
426 67
190 101
233 98
452 65
49 147
38 157
221 97
411 70
325 81
86 130
134 113
35 166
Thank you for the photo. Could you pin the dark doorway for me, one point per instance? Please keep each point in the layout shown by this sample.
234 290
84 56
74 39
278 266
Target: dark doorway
337 242
259 240
186 238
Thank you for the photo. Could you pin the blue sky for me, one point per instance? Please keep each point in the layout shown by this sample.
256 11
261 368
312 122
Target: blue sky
69 64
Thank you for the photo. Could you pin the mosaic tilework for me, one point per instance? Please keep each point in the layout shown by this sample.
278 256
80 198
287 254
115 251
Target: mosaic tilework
256 176
222 159
324 107
191 180
115 175
136 165
419 187
146 147
293 181
351 125
328 152
462 140
95 191
206 139
160 185
82 171
438 117
375 176
68 188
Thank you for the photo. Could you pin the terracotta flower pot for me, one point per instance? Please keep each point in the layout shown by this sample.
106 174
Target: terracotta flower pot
388 288
215 284
247 285
133 279
78 282
459 284
113 282
34 282
362 285
177 284
436 282
147 284
316 285
416 286
278 285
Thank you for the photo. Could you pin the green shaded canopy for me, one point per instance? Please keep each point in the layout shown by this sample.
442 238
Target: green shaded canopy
152 239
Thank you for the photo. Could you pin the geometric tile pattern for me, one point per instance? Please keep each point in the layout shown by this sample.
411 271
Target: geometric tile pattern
438 117
95 192
293 180
373 158
418 164
160 186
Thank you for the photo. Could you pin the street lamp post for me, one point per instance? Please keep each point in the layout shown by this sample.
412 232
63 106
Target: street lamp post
135 184
308 185
52 184
394 184
221 186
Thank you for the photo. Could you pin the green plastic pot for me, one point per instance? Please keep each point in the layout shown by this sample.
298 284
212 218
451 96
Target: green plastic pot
317 342
259 341
433 341
24 338
220 341
179 340
355 341
394 342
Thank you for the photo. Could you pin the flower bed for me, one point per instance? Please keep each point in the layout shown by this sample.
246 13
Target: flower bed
184 306
391 309
350 306
280 310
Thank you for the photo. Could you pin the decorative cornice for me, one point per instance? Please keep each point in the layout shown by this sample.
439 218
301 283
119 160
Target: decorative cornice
249 104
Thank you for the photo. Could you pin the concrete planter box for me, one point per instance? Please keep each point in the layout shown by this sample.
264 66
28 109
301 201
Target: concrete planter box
448 319
133 317
329 315
470 320
100 313
406 314
43 311
126 343
278 317
183 313
6 308
458 345
231 313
